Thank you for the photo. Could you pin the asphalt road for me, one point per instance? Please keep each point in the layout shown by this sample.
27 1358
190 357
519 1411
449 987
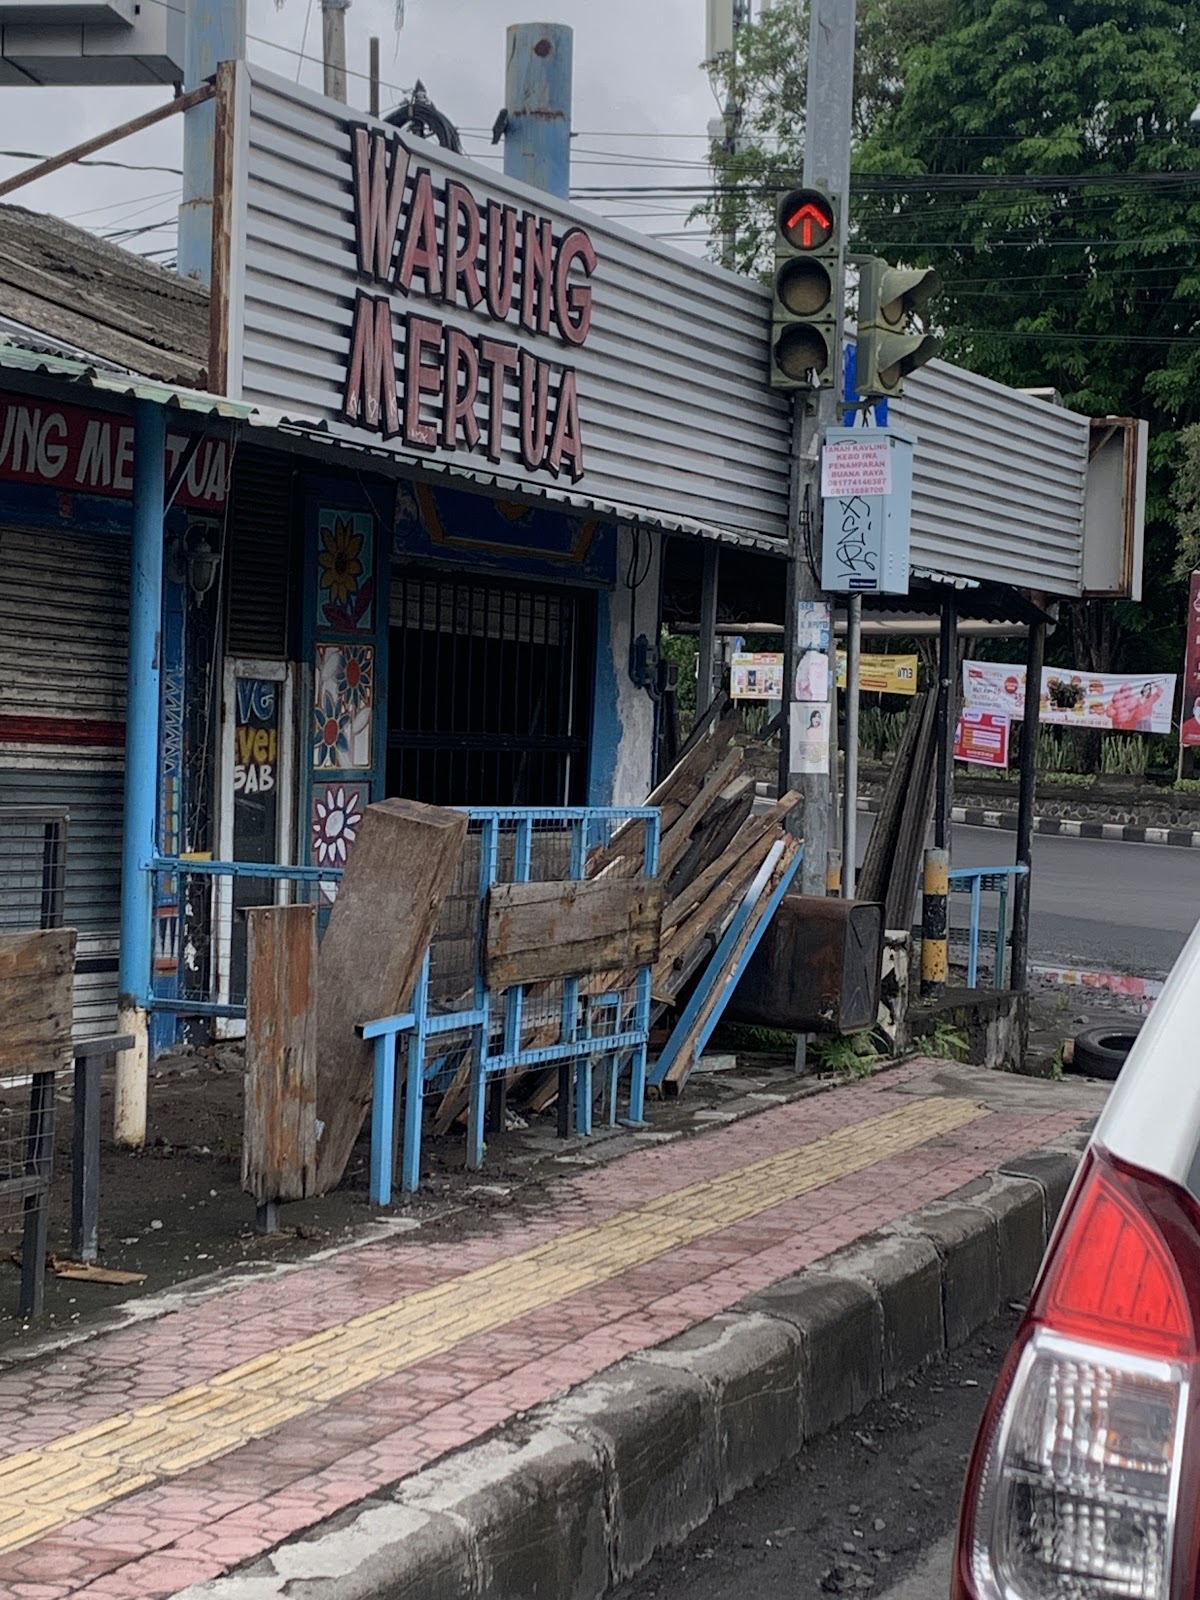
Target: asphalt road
870 1509
1096 902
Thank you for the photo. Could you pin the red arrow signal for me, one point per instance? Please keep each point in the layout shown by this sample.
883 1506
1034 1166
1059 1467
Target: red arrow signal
806 220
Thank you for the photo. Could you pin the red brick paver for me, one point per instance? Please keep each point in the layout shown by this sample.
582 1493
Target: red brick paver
161 1538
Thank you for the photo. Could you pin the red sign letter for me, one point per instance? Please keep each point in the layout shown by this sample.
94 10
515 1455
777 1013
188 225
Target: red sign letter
419 378
370 395
573 301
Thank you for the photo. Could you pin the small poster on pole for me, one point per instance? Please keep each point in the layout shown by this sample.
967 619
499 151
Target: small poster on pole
809 742
983 739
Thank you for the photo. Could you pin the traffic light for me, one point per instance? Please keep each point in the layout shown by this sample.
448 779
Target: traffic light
808 292
888 347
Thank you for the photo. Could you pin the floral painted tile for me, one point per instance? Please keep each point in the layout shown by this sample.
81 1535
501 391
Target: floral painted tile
337 813
345 571
343 706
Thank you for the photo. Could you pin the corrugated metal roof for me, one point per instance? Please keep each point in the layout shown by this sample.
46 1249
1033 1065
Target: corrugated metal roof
29 354
98 298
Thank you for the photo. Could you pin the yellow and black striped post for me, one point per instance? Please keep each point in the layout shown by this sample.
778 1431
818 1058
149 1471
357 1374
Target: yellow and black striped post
935 916
833 874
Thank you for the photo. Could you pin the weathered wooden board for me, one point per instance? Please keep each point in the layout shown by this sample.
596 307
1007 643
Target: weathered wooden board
37 975
540 931
398 874
279 1145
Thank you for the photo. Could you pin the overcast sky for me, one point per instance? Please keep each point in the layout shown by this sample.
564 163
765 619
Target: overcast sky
642 103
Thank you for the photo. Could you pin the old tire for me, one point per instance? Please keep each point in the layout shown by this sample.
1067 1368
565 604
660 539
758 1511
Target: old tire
1101 1052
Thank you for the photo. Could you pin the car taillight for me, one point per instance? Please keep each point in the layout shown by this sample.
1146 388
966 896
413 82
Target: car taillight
1075 1484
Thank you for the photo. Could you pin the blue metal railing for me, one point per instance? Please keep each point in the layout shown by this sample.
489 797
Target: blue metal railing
976 882
491 1029
215 997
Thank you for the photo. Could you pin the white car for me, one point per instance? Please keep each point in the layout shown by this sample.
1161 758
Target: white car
1085 1480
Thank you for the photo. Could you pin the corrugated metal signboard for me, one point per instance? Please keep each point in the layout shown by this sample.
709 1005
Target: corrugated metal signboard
406 297
998 480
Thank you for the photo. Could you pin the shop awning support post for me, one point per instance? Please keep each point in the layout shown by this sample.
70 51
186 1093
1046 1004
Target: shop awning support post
947 722
706 670
1025 803
141 768
829 103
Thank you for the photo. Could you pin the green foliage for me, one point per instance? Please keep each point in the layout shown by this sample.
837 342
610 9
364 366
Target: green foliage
946 1043
1124 754
1040 156
853 1057
1186 786
880 732
1185 497
1057 752
683 651
1072 780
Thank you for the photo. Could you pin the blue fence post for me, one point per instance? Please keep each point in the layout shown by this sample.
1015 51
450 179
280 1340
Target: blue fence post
414 1097
973 949
1001 934
489 840
642 998
383 1119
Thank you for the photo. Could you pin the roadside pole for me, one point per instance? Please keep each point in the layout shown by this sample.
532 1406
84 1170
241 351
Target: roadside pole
1025 802
333 47
829 102
850 771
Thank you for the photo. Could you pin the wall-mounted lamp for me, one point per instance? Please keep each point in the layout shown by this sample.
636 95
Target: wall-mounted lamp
192 559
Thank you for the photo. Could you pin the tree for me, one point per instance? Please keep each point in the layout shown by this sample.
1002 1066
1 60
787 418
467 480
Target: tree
766 77
1041 157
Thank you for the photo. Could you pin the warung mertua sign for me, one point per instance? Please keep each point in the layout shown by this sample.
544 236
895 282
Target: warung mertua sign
511 266
405 300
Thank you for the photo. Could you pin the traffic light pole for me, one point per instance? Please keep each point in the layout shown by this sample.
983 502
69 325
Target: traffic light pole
829 103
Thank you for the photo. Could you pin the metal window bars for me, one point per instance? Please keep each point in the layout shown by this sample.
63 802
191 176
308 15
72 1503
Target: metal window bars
32 896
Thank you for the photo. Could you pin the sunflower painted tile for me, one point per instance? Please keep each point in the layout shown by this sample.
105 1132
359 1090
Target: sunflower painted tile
346 571
343 705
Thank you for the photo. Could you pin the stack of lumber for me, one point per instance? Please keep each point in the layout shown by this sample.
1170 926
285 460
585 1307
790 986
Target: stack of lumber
711 848
894 858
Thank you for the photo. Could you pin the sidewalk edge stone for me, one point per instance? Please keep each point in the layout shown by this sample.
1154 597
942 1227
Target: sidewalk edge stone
588 1487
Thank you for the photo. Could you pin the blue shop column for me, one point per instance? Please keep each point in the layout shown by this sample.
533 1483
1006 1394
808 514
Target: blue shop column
141 767
537 100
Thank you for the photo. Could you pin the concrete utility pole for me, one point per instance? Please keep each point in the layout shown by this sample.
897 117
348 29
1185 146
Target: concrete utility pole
829 103
333 47
537 106
216 32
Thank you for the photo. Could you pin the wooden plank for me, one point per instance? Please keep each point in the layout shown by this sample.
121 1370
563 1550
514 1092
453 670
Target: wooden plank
537 932
37 974
672 795
398 875
715 833
677 838
720 984
279 1143
685 900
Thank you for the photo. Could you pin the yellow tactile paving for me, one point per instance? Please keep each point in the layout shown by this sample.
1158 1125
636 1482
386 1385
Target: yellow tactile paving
50 1487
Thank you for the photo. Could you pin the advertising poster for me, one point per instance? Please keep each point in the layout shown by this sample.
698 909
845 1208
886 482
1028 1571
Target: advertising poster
756 676
856 467
882 674
982 739
1189 732
809 743
1114 703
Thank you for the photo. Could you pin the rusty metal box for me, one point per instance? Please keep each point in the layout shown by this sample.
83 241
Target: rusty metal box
817 969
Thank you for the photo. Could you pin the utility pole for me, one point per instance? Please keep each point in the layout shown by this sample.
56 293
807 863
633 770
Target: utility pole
333 47
215 31
829 102
725 130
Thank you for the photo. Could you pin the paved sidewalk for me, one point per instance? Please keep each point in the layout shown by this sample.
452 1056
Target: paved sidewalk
166 1453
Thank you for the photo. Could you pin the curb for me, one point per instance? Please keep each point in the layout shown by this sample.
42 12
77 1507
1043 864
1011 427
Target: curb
581 1492
1065 827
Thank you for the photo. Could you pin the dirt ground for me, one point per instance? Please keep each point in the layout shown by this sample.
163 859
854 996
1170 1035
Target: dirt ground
175 1210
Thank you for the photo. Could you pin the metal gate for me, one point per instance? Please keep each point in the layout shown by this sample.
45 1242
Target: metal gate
490 692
